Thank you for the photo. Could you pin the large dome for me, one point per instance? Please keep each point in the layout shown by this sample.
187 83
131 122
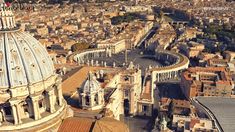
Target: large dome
30 91
23 60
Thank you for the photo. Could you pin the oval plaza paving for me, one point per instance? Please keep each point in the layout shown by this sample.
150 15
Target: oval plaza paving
220 109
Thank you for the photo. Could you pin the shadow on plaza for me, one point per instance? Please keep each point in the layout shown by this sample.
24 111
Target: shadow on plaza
170 90
138 123
74 102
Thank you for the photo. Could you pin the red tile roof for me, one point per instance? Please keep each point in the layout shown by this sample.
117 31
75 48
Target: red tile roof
147 91
74 124
71 84
194 122
107 124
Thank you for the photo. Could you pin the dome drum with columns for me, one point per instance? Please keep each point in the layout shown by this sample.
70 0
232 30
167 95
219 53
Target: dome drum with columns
31 95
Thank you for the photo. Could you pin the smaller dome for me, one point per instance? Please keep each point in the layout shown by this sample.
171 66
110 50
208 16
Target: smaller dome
91 85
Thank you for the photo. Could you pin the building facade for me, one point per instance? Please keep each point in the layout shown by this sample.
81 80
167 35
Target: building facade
206 81
117 91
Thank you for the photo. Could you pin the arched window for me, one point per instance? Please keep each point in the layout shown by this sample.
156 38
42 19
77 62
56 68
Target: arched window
25 107
96 99
40 103
7 111
126 78
87 99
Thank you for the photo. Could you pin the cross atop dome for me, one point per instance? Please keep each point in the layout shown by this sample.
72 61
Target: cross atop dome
7 18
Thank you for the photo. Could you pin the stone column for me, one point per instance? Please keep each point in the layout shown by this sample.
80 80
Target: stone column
131 102
99 98
105 64
164 76
3 23
91 100
19 114
83 101
51 102
14 113
8 22
60 95
92 62
1 117
3 113
157 77
13 21
36 111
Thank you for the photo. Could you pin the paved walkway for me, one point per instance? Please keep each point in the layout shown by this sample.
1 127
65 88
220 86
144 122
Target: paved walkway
138 124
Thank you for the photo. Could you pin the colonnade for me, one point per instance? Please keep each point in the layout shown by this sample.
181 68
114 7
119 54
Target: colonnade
167 56
167 76
178 63
84 57
178 23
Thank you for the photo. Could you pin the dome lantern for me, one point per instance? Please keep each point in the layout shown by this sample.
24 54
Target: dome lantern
7 18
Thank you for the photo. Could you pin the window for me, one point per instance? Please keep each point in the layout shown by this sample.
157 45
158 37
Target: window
87 99
126 78
57 100
7 110
25 107
40 103
126 93
145 108
96 99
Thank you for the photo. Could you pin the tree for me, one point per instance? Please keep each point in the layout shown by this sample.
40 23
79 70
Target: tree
128 17
79 46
